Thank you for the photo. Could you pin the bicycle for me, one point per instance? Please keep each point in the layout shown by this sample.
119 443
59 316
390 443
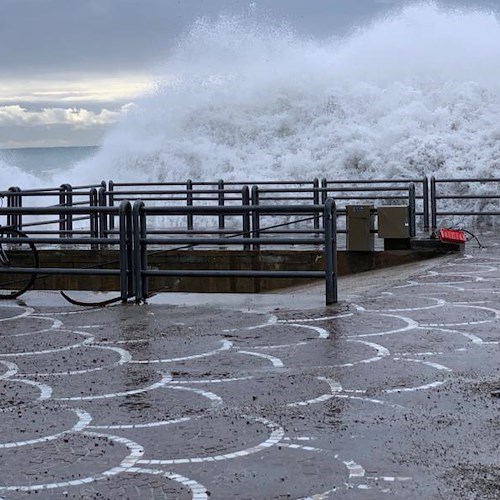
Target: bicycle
18 259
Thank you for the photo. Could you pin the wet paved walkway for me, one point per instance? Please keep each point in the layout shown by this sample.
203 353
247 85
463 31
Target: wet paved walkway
387 395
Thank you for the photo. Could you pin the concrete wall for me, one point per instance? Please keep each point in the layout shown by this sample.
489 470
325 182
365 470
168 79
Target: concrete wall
278 260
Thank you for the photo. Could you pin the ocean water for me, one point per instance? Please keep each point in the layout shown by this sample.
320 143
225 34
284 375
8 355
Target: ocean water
416 92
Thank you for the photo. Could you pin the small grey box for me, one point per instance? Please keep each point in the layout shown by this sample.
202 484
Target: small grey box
394 222
360 226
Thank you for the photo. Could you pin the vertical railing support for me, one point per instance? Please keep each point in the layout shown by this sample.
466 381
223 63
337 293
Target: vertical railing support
140 247
111 202
425 202
330 251
66 218
245 201
316 202
125 225
14 200
255 216
189 203
94 220
412 209
103 219
221 198
433 205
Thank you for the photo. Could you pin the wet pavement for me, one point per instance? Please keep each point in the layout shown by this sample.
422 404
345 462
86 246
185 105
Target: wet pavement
386 395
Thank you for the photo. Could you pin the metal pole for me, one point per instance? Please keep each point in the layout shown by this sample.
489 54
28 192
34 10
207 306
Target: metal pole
124 215
111 201
255 216
245 201
411 209
94 229
138 248
103 220
330 252
425 202
14 200
433 205
316 202
189 202
220 187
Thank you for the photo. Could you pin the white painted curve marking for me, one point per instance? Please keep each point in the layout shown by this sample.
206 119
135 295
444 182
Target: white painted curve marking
212 381
198 491
335 387
410 325
45 390
276 362
84 420
226 345
12 369
322 333
439 303
369 400
88 340
163 382
135 453
141 426
277 434
417 388
125 357
214 398
27 312
473 338
312 320
382 353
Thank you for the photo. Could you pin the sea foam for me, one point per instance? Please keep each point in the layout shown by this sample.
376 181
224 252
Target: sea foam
415 92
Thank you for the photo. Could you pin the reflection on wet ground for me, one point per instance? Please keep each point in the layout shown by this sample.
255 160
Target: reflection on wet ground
391 393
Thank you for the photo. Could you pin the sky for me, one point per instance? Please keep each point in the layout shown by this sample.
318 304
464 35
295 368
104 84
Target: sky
69 68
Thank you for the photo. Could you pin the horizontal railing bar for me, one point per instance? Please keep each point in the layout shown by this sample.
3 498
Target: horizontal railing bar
200 273
448 181
231 241
58 210
59 270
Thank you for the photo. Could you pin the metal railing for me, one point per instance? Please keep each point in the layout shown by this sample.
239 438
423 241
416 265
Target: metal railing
143 240
66 224
121 268
477 199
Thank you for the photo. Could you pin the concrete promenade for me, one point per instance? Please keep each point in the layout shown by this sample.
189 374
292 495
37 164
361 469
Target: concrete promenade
389 394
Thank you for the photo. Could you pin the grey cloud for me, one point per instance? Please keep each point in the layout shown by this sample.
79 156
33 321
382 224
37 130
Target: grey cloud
41 37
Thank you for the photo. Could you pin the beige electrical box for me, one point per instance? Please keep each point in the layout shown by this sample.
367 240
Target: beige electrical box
360 228
394 222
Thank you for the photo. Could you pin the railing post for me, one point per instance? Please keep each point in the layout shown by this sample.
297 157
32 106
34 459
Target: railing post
103 219
324 194
14 200
433 205
66 219
330 252
425 202
124 213
139 247
111 202
189 202
316 202
94 224
412 210
245 201
255 216
220 187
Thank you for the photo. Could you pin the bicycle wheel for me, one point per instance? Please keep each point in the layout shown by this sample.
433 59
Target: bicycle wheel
16 255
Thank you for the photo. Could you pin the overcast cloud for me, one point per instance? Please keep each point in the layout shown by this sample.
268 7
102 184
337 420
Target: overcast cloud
78 63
